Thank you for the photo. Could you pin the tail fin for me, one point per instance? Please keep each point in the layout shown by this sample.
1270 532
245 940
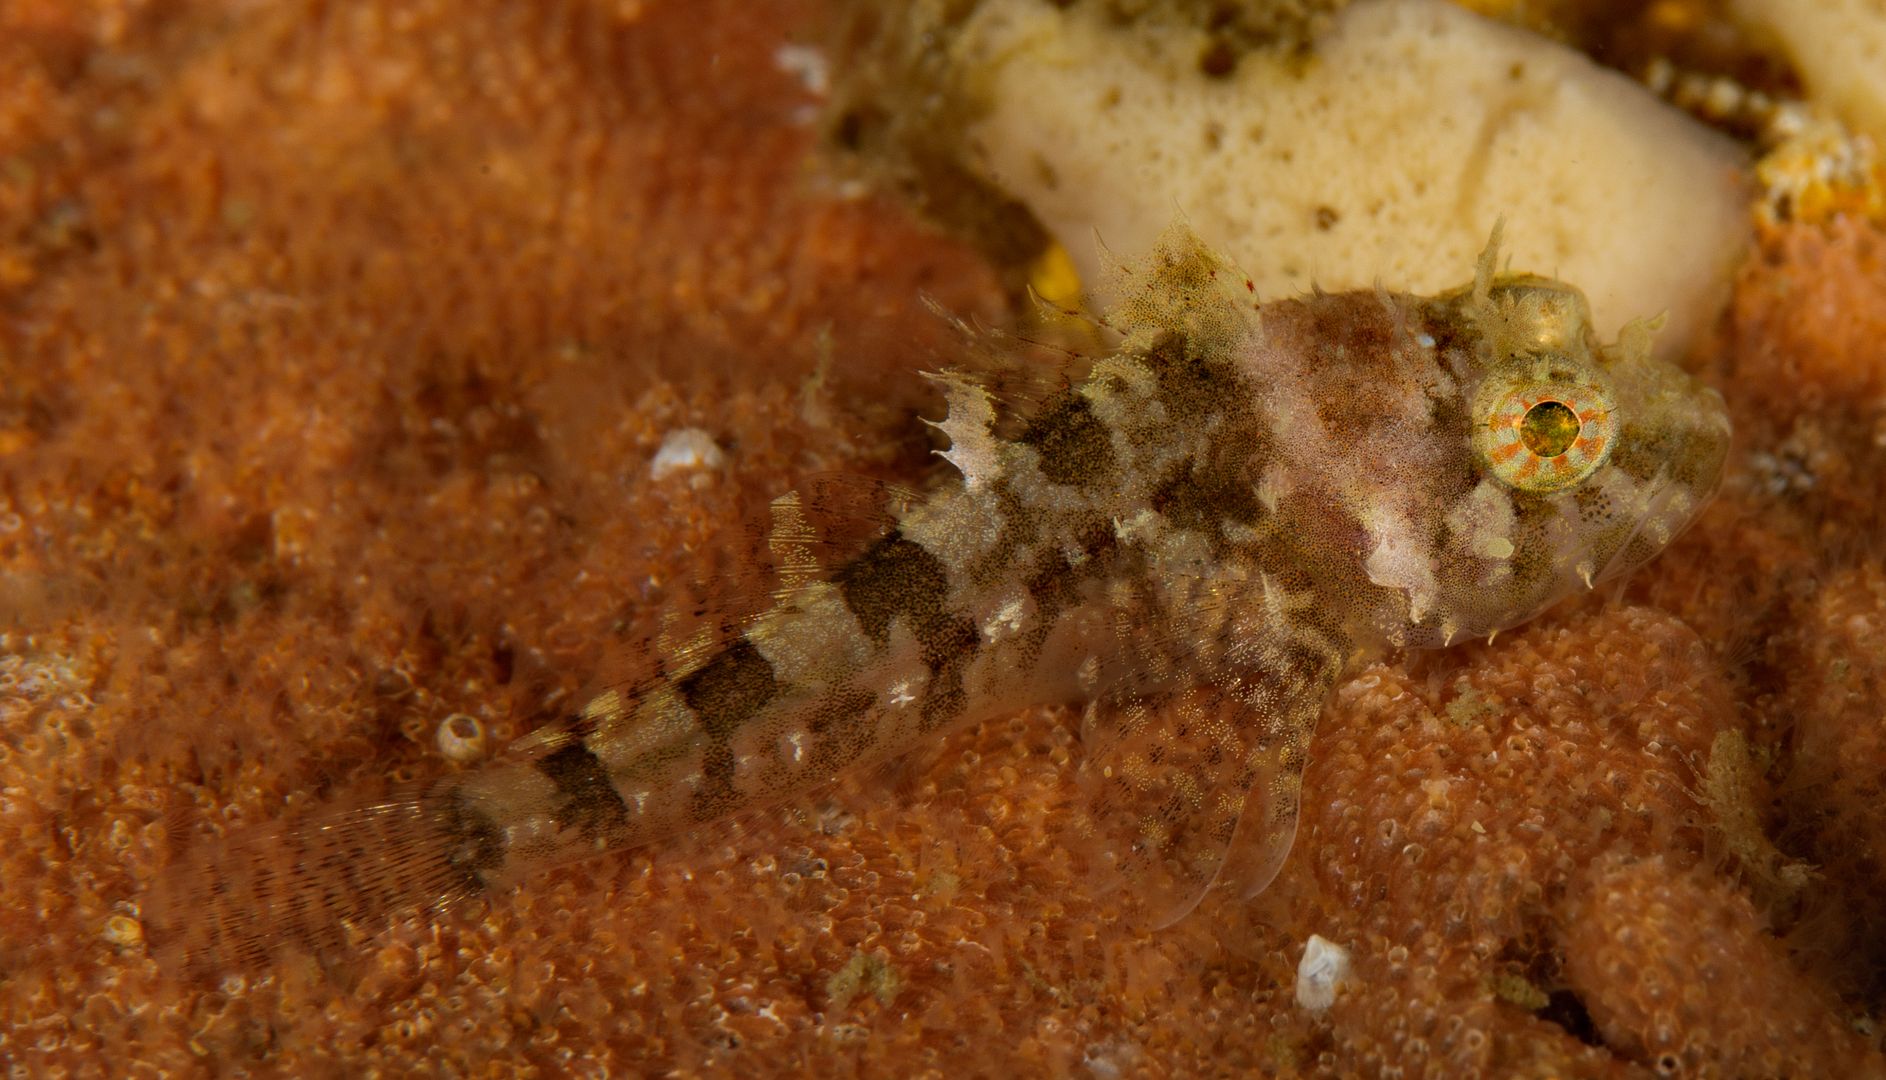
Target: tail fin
313 883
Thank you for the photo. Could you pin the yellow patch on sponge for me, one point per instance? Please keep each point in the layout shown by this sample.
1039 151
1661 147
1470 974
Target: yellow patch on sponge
1054 277
1385 156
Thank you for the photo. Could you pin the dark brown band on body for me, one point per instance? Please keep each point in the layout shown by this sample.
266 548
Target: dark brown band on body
588 801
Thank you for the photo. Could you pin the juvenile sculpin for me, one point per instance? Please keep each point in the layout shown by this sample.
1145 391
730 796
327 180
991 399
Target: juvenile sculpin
1196 539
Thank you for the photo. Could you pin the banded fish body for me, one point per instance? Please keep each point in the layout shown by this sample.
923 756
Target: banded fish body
1195 540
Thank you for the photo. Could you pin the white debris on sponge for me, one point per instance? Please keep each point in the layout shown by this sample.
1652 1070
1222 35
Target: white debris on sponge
1324 967
1385 157
685 450
1838 47
807 64
461 738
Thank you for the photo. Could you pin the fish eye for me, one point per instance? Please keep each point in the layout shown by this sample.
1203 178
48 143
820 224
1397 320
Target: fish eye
1543 431
1549 428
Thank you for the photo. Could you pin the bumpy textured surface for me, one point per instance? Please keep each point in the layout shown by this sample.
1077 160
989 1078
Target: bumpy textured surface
335 345
1465 121
1661 954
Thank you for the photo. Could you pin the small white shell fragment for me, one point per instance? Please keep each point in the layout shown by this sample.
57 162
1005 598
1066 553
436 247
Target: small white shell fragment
807 64
461 738
1324 967
123 930
685 450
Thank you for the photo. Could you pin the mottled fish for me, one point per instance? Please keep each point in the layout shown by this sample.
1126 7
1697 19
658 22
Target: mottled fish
1196 540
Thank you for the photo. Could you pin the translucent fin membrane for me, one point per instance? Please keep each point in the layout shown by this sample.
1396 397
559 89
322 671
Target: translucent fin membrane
234 903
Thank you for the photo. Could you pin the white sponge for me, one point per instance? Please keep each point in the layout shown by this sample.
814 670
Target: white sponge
1385 156
1837 46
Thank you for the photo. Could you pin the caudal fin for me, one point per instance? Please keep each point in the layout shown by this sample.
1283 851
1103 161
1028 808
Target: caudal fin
231 904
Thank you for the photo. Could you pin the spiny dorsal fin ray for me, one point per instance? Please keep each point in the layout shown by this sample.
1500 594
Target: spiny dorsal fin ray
1182 287
1019 372
786 543
826 519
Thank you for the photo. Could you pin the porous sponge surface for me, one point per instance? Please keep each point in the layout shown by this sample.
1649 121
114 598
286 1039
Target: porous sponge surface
336 342
1385 156
1839 47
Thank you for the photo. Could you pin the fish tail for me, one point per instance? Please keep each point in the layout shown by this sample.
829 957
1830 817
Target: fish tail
317 882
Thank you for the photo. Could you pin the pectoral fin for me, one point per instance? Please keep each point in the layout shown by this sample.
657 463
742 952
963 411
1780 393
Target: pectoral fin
1197 789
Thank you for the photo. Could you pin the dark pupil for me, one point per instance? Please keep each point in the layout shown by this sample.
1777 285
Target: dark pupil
1549 429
